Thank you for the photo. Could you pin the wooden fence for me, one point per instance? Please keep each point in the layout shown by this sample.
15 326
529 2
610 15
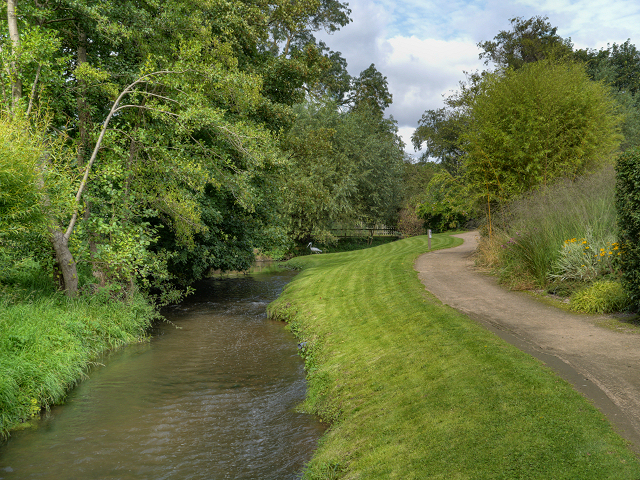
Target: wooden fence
366 231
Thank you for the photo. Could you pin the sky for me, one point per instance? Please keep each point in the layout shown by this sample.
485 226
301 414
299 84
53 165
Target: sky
424 47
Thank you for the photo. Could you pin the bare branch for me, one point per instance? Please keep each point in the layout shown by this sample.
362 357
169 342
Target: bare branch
144 107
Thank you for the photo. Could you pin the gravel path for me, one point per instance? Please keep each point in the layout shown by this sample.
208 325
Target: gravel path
601 363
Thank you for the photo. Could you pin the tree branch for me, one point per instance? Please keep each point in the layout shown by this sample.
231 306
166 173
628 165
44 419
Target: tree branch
114 108
33 90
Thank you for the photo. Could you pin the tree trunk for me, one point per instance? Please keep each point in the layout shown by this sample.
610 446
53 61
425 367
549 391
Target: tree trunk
16 82
65 262
65 270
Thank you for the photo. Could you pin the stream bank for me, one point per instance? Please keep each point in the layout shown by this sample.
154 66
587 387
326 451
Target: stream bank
213 394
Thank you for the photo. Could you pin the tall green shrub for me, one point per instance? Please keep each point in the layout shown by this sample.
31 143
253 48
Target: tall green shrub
536 124
628 211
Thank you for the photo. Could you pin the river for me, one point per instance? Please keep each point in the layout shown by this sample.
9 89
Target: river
213 395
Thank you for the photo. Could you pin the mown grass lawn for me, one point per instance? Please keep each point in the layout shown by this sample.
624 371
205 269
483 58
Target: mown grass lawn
415 390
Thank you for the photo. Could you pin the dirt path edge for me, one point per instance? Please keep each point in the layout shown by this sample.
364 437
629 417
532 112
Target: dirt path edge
600 363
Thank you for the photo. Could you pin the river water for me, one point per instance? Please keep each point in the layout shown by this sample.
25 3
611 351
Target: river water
211 396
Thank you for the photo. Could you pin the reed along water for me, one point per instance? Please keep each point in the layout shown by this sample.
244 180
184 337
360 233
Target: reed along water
213 395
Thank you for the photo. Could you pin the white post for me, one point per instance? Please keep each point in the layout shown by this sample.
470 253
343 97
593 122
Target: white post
429 233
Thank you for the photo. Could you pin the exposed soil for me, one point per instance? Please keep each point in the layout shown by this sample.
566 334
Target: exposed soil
601 363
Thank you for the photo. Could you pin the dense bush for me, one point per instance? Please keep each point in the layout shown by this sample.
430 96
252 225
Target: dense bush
534 125
628 208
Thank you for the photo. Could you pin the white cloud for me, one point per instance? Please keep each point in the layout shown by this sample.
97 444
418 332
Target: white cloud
423 47
419 72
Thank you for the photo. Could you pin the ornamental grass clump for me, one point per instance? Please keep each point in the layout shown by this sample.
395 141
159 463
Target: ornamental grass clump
603 296
587 258
536 227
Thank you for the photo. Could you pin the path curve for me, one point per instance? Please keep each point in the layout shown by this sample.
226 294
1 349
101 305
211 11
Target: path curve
602 364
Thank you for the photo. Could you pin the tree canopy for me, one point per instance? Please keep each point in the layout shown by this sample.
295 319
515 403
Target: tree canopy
529 41
346 167
544 112
162 140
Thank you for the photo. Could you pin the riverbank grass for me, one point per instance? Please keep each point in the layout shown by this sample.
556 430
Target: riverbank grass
47 341
415 390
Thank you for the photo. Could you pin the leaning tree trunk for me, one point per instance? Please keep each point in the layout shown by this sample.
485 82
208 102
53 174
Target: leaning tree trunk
65 262
65 268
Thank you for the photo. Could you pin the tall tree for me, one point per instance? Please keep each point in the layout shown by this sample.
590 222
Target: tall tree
619 67
529 41
346 168
439 133
292 23
176 117
370 91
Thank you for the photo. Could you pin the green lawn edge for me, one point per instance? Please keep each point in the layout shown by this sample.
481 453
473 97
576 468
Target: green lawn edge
48 343
412 389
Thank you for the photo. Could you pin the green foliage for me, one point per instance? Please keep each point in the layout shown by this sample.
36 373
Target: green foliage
346 167
529 41
293 23
618 66
34 180
415 178
628 208
439 133
446 203
370 92
541 122
603 296
188 176
20 198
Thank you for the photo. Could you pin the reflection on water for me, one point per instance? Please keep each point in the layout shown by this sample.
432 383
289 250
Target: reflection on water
213 399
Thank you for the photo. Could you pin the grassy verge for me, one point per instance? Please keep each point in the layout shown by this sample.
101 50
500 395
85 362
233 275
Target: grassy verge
47 341
415 390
